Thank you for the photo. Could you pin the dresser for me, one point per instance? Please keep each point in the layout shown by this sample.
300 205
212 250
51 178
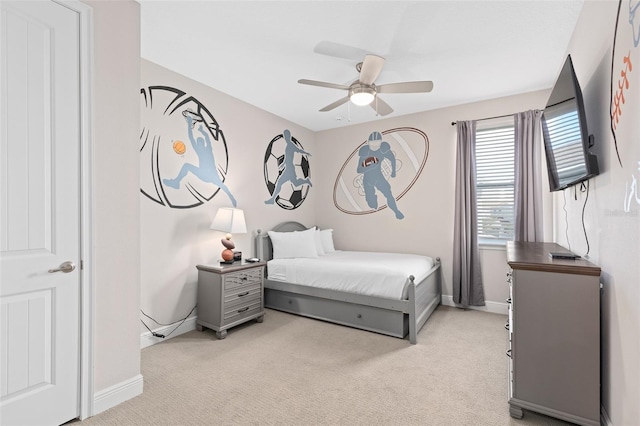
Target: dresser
553 334
229 295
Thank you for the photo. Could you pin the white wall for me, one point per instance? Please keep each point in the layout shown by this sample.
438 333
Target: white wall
173 241
613 233
428 207
116 79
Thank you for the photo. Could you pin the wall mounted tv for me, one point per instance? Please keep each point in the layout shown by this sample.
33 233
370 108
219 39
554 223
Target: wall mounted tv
566 138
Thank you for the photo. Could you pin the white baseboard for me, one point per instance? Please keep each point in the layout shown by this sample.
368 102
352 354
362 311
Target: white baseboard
492 307
148 339
604 417
117 394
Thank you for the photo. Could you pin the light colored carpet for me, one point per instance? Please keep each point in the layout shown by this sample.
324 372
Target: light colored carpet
298 371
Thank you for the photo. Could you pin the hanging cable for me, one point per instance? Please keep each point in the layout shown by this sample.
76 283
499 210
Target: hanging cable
566 218
584 228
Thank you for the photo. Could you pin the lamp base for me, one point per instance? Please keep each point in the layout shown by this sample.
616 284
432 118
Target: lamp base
227 262
227 255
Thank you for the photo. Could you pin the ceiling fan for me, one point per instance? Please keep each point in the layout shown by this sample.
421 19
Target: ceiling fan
363 91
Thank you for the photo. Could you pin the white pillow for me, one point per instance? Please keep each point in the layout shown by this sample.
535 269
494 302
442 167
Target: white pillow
319 247
288 245
326 235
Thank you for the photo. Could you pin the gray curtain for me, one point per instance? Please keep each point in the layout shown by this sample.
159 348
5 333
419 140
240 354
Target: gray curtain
528 191
467 278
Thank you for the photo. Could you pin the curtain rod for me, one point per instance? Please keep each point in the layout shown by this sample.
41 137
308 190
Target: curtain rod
453 123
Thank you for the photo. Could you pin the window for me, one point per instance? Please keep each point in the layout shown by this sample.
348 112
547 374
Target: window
495 180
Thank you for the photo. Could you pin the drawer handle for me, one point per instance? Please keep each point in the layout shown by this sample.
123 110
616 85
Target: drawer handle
506 326
243 294
243 309
509 353
243 278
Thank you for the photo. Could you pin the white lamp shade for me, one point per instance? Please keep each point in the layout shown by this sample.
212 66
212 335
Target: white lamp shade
361 94
362 98
229 220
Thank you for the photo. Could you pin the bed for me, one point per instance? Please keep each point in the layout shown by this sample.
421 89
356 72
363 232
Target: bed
400 314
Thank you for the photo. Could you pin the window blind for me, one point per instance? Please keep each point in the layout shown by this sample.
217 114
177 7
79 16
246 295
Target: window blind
495 182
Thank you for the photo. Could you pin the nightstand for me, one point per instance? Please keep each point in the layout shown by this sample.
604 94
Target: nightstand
229 295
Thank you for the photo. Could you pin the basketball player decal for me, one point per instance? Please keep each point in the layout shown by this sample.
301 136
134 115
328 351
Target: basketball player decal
287 173
183 152
380 171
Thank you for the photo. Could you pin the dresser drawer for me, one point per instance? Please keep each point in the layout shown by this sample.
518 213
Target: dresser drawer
245 299
241 291
239 312
242 278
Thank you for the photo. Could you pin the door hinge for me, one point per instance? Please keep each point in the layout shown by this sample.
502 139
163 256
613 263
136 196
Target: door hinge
81 265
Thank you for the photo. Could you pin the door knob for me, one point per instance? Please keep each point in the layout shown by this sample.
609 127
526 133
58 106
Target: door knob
65 267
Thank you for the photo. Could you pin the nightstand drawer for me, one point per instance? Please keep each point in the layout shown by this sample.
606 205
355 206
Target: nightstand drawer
241 278
244 299
239 313
240 291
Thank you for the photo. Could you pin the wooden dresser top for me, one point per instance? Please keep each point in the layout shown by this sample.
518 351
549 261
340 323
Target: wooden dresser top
535 257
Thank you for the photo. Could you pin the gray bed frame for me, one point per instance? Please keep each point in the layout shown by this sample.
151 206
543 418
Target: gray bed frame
397 318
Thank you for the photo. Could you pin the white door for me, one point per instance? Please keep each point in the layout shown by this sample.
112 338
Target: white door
39 213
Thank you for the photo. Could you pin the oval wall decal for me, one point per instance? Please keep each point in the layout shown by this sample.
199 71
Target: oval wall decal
410 147
183 151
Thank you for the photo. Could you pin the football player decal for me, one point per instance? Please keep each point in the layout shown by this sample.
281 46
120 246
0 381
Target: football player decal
370 165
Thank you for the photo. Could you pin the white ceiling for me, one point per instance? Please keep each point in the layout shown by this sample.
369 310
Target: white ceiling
257 50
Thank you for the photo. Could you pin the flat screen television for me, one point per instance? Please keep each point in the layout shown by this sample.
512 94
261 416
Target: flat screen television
566 138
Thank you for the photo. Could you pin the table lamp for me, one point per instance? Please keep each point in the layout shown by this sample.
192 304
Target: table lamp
229 220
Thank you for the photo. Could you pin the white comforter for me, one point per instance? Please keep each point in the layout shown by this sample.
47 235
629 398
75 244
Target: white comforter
374 274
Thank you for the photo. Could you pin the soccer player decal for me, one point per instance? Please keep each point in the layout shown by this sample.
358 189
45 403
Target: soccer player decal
286 171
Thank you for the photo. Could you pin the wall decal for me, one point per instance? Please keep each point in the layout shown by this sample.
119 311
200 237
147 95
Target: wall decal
632 192
183 151
625 103
287 173
369 181
624 50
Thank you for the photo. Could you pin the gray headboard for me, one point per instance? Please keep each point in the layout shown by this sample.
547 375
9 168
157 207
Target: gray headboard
264 249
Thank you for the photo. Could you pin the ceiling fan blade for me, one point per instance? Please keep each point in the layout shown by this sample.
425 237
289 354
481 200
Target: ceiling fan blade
338 50
406 87
371 67
380 106
335 104
323 84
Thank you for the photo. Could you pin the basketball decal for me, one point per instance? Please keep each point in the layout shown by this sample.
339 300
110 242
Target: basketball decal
183 151
380 171
179 147
287 173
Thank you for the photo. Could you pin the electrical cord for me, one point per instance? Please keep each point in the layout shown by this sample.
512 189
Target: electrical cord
162 336
584 228
566 218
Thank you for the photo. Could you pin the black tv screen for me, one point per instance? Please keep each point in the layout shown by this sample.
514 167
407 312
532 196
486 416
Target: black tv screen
566 138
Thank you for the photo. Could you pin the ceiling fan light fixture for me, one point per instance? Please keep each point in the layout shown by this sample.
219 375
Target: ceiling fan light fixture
362 95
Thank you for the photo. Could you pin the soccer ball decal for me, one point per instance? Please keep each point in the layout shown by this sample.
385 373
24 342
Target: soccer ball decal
287 172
